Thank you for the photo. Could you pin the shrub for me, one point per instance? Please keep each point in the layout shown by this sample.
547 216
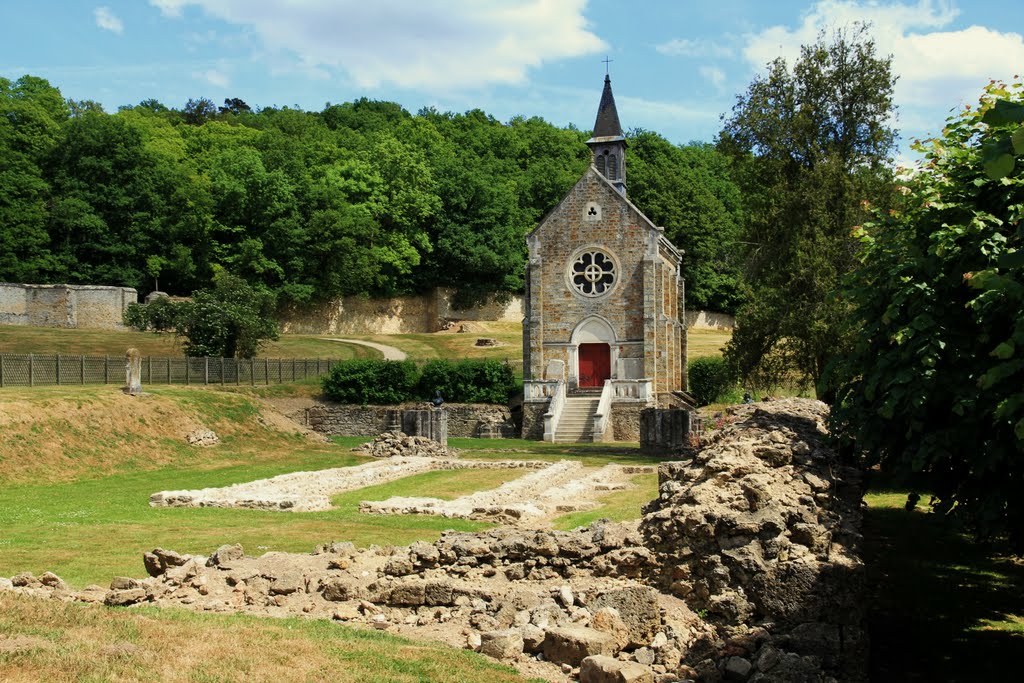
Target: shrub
709 377
468 381
382 382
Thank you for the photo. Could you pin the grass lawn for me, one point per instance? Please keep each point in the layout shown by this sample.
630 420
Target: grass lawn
942 607
52 641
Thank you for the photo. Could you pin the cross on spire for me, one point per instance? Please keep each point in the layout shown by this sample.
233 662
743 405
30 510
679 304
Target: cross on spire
606 63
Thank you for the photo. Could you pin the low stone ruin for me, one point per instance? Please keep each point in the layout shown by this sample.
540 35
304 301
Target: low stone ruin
744 569
762 527
398 445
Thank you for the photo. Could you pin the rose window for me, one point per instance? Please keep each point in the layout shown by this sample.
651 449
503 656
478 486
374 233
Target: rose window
593 273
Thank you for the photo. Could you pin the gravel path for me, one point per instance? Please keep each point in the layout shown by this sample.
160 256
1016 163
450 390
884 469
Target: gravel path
390 352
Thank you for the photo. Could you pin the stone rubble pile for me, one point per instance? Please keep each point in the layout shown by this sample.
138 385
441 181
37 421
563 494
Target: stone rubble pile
398 445
762 530
202 437
744 569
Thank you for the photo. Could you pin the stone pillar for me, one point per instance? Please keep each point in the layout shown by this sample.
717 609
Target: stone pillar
133 372
665 430
432 424
393 421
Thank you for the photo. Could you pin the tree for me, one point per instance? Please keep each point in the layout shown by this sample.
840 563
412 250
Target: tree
812 147
689 190
933 388
230 320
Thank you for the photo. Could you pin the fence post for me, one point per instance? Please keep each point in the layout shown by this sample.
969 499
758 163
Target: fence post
206 370
252 371
238 373
168 369
56 373
106 369
31 371
222 371
1 370
266 371
81 367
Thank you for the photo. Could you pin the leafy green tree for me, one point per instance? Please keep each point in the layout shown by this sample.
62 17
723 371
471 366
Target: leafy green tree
689 190
812 146
933 388
31 114
231 320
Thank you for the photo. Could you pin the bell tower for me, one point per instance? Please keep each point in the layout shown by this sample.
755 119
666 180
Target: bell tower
608 143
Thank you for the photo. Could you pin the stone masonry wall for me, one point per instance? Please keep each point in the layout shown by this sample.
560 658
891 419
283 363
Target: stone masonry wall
67 306
464 419
399 315
626 421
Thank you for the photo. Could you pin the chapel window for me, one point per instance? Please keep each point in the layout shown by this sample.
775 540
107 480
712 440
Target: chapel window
593 273
613 168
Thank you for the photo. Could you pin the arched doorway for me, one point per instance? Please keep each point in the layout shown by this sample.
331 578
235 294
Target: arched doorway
591 353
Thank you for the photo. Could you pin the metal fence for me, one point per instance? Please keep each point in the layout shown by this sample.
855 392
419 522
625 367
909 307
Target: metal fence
38 369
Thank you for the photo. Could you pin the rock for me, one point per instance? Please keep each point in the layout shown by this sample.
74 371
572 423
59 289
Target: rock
437 593
51 580
6 584
644 655
337 590
638 608
408 593
533 638
122 583
25 580
602 669
737 668
123 598
473 641
565 596
288 582
158 561
607 619
202 437
506 644
571 645
225 555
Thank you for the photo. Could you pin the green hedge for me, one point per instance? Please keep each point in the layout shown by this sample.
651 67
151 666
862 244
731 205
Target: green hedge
709 378
468 381
381 382
384 382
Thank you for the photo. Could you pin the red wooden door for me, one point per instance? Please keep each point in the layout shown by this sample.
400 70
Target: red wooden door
595 364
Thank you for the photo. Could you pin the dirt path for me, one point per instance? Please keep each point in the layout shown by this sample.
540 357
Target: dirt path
390 352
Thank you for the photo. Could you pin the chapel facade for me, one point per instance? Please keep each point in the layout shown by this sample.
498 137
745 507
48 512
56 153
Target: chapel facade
602 333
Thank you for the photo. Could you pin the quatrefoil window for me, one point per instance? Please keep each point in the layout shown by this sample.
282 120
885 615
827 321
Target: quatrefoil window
592 273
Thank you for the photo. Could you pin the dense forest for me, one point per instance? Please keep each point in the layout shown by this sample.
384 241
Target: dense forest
359 198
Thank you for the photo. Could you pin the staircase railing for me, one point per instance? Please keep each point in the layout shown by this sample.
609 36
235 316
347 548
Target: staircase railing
554 412
604 411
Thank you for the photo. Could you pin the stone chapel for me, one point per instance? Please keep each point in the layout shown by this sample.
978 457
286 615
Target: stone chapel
602 335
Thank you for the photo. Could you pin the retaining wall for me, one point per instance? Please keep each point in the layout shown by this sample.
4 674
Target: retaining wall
464 419
68 306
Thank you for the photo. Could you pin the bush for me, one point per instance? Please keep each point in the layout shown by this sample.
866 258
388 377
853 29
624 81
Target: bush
709 378
468 381
231 320
364 382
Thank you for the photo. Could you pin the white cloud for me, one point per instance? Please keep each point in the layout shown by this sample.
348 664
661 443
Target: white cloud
445 44
107 20
714 75
936 68
684 47
213 77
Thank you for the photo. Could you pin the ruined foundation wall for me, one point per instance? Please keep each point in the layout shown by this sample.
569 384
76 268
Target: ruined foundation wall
464 419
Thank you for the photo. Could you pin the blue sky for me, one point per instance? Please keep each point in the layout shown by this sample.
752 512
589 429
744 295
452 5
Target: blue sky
677 66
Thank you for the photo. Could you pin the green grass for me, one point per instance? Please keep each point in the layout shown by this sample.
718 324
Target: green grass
616 506
590 454
88 531
942 607
73 642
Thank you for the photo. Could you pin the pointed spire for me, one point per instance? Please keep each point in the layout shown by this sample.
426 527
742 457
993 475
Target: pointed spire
608 143
607 123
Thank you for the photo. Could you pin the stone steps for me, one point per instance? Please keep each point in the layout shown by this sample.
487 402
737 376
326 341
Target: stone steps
577 421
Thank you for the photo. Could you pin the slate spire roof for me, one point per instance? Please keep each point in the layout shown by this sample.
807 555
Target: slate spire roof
607 124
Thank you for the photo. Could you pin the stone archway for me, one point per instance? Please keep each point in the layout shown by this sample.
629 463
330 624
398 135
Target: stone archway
592 353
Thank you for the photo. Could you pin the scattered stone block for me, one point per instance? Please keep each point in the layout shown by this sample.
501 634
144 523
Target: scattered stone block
638 608
123 598
506 644
602 669
571 645
225 555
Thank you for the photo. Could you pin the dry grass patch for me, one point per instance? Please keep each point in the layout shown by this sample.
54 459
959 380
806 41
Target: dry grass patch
702 343
58 642
616 506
